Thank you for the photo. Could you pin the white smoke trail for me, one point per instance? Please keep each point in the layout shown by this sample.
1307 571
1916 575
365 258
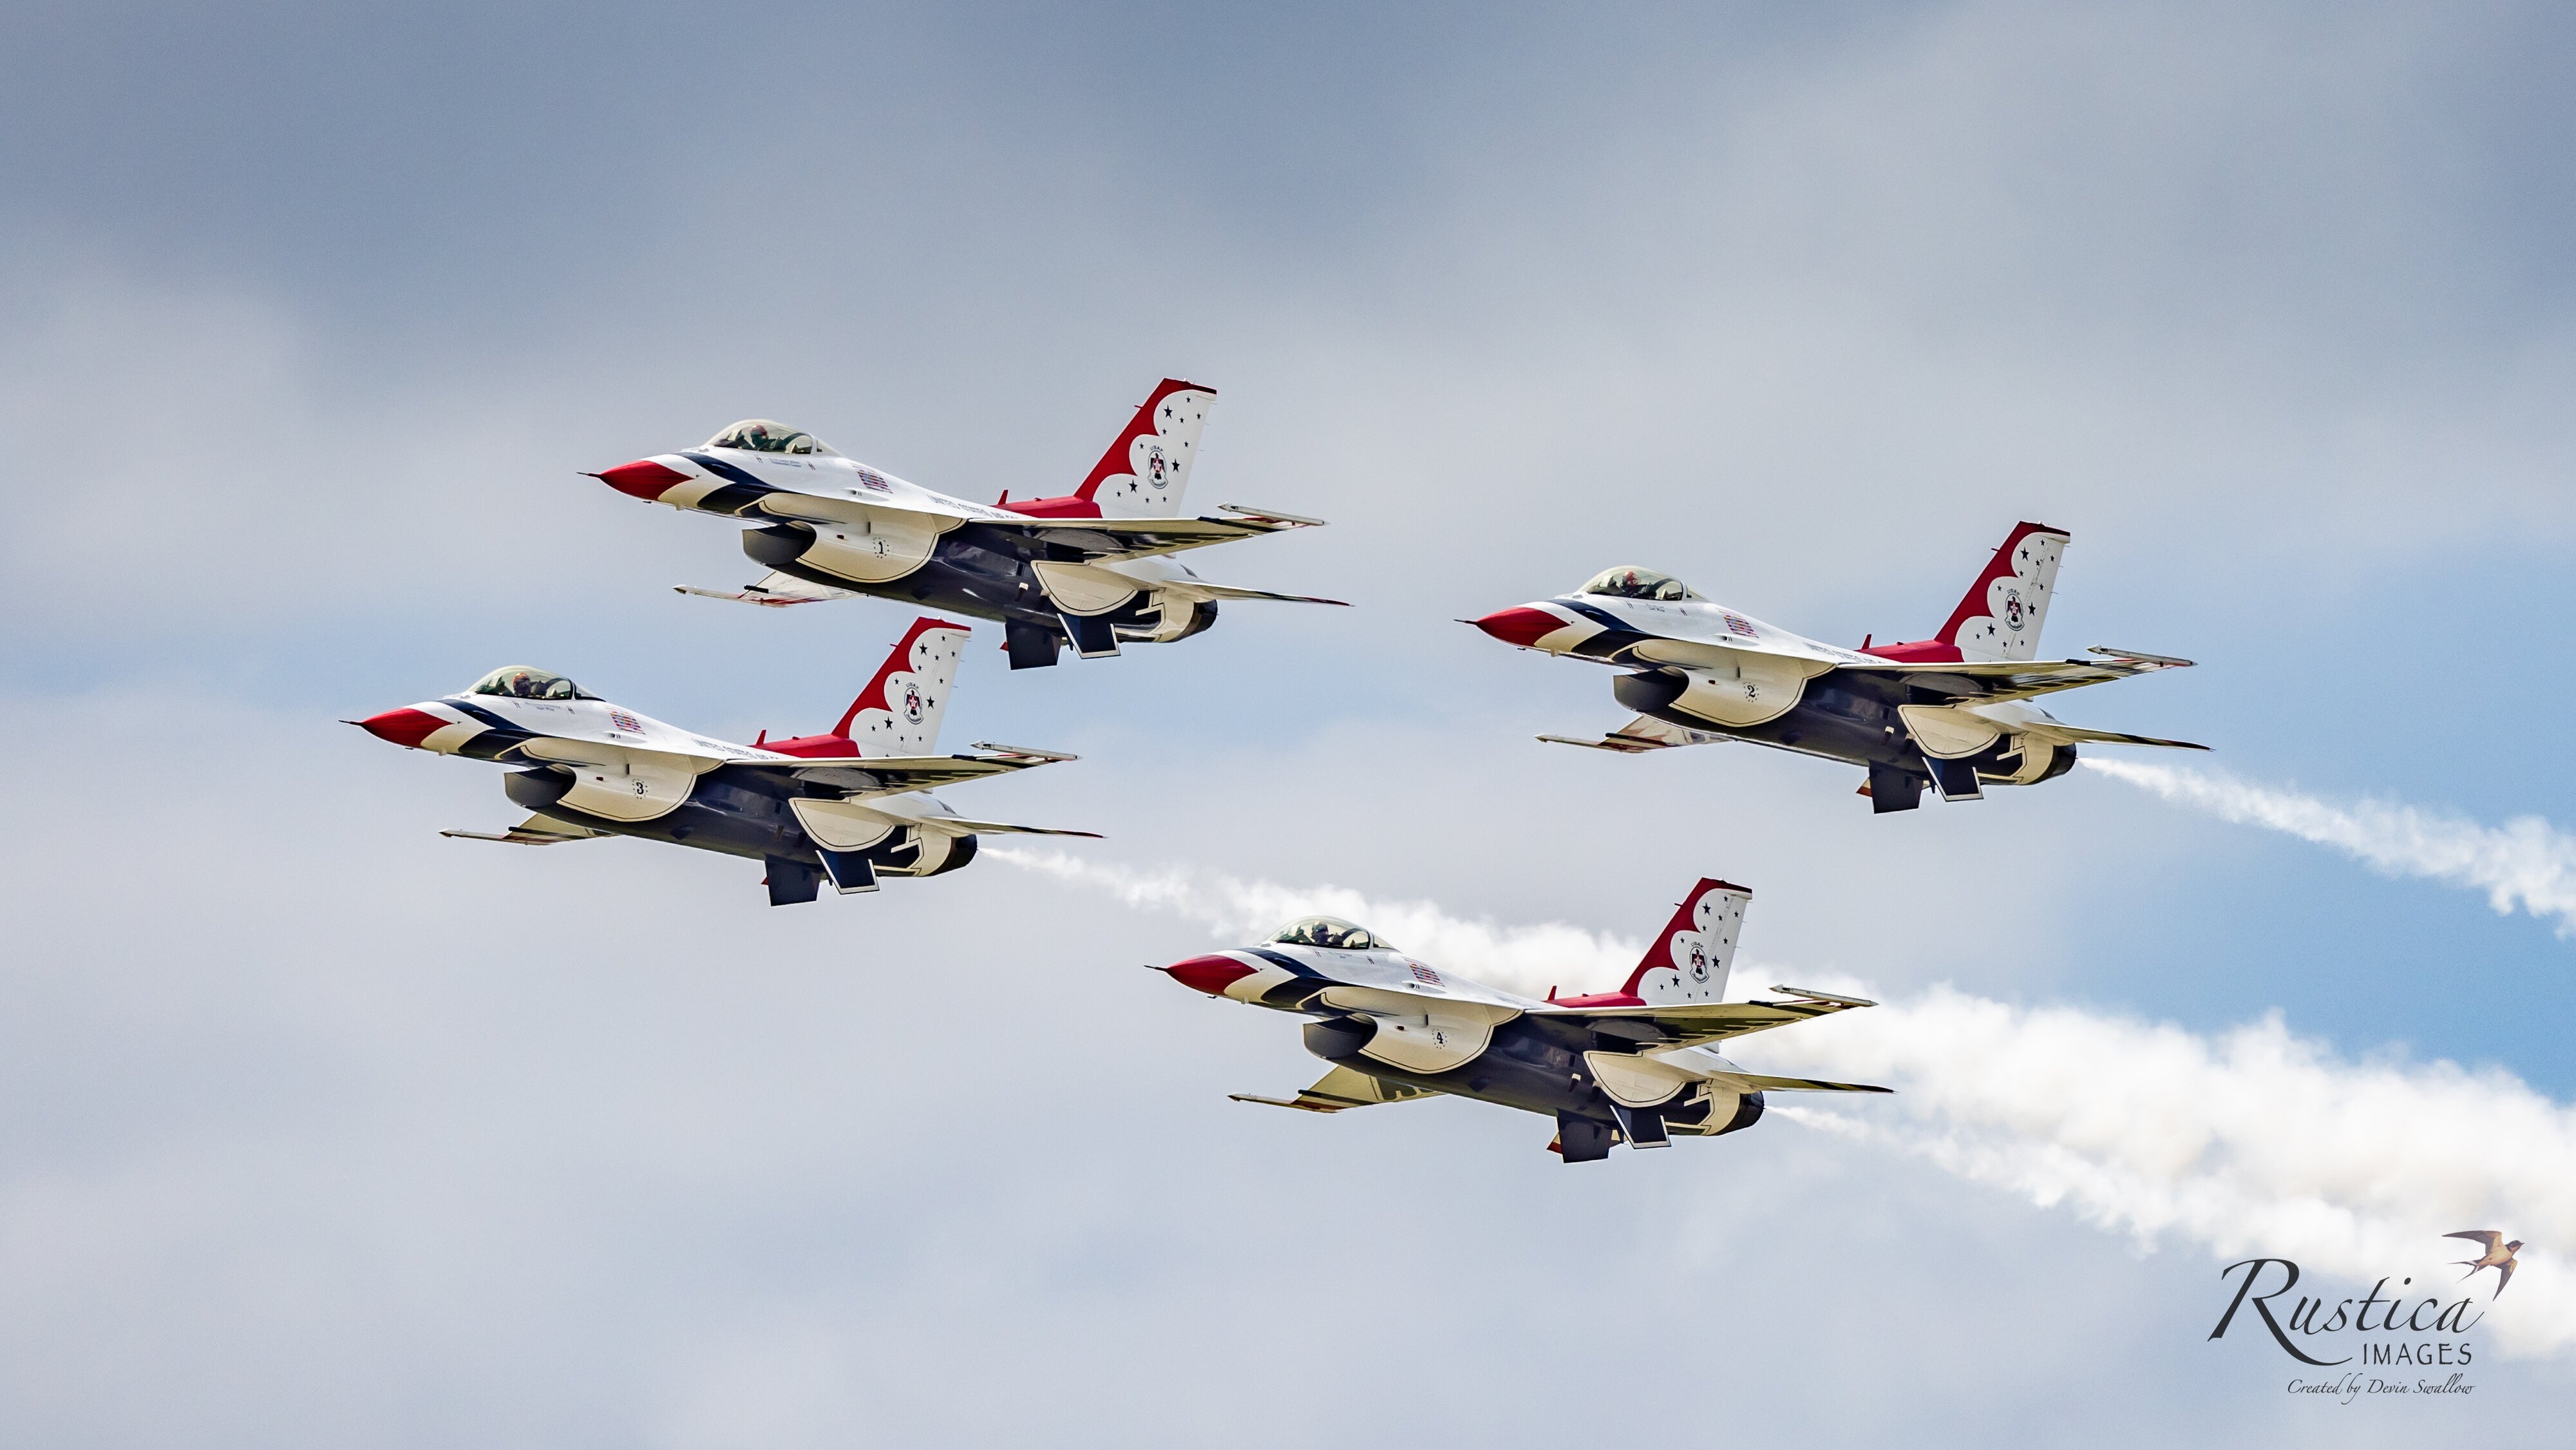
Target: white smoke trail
2247 1142
2525 862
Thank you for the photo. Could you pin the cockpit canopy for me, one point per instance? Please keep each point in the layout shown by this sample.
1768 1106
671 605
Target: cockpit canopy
519 682
760 435
1332 932
1630 582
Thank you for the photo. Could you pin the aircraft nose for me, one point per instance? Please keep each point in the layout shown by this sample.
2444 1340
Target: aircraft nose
643 478
406 726
1520 625
1211 975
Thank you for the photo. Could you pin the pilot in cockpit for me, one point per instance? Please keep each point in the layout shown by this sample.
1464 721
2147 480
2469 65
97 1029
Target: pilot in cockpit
519 682
760 435
1630 582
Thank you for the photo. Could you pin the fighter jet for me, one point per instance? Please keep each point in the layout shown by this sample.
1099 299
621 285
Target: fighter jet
1952 711
1092 566
1634 1066
848 805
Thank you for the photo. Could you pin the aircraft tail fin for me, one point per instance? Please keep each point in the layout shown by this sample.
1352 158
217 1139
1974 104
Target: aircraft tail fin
1145 471
898 713
2000 616
1688 961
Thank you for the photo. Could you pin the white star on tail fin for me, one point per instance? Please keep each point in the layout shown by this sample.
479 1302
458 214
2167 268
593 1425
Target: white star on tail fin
1144 472
898 713
1688 962
2000 616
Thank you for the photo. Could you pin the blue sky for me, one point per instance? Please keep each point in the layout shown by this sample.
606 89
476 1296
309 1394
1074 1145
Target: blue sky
330 1131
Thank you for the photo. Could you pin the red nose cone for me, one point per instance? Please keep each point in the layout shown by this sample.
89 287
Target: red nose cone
406 726
1211 975
1520 625
643 478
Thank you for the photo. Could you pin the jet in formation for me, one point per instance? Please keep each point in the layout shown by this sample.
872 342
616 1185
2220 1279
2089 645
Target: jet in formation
846 806
1952 712
1637 1065
1092 567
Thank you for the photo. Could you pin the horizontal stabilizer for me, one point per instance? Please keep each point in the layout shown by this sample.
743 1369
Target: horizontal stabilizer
2139 658
1273 517
2078 735
1201 589
1340 1089
1754 1082
1814 996
1024 754
1641 735
776 591
534 831
961 826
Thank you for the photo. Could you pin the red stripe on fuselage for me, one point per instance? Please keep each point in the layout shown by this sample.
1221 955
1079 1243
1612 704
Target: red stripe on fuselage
1067 507
819 747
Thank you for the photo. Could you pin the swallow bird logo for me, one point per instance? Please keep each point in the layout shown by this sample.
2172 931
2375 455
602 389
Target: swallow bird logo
2498 1256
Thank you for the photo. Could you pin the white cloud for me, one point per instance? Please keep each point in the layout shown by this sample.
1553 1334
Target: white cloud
2525 862
2252 1141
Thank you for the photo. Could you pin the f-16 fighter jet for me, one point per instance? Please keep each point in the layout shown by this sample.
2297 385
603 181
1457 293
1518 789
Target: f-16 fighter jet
1638 1065
1092 566
1952 711
849 805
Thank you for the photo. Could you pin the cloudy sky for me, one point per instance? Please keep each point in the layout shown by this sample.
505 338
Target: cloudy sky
318 1129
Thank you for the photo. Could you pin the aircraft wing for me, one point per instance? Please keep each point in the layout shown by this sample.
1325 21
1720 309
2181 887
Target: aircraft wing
776 591
1682 1023
1641 735
1088 539
1138 538
537 830
1988 680
859 776
1341 1089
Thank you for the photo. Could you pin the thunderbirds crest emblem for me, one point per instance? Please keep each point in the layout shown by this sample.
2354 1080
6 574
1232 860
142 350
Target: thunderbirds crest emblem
1698 962
2012 607
1154 459
912 703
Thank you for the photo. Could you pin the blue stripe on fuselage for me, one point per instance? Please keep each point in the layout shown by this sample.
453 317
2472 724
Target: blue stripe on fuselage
1621 635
